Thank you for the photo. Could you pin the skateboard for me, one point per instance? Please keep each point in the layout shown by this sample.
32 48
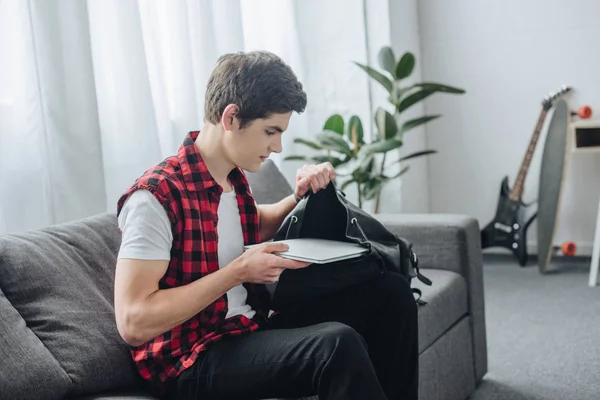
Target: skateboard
552 176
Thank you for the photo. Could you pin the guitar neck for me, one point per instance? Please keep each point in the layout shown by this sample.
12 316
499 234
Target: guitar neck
517 190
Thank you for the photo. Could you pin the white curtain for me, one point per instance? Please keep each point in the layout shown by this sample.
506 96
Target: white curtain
94 92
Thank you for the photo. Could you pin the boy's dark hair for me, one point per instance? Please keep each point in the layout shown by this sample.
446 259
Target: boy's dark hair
258 82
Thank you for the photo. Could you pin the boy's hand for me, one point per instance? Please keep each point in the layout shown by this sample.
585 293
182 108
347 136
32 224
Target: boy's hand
315 177
260 265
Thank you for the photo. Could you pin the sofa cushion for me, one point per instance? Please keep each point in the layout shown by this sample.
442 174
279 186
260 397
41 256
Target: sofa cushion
24 359
446 304
60 280
119 395
268 185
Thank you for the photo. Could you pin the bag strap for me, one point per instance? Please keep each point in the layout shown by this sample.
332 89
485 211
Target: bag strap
414 260
419 294
295 232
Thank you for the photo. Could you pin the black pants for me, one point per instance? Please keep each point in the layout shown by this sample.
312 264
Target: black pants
360 343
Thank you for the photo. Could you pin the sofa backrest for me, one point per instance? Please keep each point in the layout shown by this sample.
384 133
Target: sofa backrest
268 185
57 327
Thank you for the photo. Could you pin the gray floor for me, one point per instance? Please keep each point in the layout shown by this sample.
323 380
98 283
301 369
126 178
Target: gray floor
543 332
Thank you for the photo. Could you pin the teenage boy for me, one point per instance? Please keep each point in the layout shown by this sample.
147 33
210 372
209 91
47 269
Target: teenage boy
194 306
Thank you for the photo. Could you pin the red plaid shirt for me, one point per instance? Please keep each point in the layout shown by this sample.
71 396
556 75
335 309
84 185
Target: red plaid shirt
190 196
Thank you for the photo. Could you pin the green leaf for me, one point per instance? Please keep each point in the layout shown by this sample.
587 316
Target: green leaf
359 176
396 96
345 167
417 154
405 66
410 124
386 124
402 172
335 123
333 160
413 155
355 128
438 87
414 98
387 60
367 164
298 158
372 187
363 172
333 141
382 146
308 143
426 89
378 76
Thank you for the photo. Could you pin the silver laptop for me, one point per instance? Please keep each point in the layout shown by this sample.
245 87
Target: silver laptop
319 251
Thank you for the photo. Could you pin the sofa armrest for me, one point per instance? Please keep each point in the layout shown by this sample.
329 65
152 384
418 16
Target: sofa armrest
453 243
441 241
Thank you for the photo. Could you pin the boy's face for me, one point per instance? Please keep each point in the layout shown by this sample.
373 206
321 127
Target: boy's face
248 147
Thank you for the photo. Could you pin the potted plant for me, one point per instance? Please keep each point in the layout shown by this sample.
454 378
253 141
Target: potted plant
342 142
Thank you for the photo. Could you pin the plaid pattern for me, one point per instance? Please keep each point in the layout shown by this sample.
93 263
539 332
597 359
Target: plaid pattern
190 195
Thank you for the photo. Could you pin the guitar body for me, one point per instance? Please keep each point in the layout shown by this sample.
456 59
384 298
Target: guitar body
509 227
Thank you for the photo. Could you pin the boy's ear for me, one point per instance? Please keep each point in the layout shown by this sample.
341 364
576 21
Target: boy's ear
229 117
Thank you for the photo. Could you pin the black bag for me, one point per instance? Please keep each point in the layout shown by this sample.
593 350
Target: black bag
327 214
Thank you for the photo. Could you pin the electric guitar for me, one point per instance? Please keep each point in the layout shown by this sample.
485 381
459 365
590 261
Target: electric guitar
509 227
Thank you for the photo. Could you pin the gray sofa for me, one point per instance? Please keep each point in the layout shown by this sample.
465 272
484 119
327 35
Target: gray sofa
58 337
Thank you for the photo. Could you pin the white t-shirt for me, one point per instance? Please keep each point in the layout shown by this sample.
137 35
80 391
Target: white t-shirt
147 235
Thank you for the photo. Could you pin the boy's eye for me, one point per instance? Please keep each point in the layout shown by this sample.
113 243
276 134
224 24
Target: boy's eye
270 132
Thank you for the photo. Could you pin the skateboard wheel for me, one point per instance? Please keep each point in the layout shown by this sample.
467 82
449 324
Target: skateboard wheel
568 248
584 112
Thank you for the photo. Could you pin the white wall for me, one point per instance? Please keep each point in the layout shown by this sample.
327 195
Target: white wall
508 55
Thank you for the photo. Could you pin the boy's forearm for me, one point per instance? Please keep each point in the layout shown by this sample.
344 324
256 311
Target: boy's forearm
271 216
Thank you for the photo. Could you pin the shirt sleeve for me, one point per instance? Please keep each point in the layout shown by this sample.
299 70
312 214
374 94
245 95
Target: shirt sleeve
146 228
